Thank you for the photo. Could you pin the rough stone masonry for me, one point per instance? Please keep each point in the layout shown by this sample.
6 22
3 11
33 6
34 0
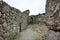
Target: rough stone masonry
53 19
13 21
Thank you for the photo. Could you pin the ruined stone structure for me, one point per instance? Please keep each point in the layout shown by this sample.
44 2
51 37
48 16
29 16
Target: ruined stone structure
40 18
53 14
34 19
13 21
25 16
53 19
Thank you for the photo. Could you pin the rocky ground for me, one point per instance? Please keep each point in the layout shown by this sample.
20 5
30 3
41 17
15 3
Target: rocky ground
34 32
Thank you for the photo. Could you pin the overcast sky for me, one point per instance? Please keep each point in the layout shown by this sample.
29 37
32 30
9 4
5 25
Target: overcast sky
35 6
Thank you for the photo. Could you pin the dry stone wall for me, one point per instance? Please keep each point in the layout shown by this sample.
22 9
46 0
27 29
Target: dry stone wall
12 21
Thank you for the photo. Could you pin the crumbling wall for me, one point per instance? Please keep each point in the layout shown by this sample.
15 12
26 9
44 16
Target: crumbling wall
53 19
12 21
40 18
9 27
52 13
35 19
25 16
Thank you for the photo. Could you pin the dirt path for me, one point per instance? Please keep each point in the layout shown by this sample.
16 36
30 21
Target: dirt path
33 32
28 35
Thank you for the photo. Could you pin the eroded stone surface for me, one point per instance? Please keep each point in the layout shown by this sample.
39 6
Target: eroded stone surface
10 21
53 14
13 21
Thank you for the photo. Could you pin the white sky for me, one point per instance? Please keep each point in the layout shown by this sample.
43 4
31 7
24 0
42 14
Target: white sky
35 6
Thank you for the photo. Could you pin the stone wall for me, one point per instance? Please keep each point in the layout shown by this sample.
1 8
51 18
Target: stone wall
53 19
40 18
53 13
25 16
35 19
12 21
9 26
